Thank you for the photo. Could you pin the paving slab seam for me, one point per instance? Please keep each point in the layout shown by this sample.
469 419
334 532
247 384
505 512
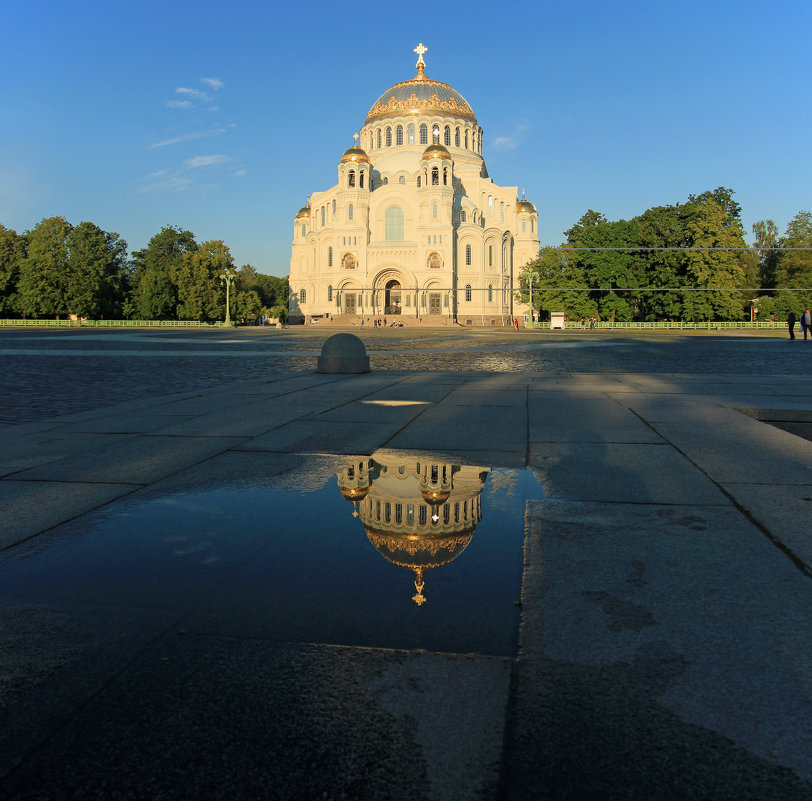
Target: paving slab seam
799 563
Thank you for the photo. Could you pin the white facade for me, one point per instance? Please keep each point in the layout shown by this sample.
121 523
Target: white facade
414 227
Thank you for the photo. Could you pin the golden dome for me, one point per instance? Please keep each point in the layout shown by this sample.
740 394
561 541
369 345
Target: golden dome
420 95
435 497
304 211
355 154
525 205
436 151
353 494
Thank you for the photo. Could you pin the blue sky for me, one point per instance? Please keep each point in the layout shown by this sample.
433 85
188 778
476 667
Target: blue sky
222 117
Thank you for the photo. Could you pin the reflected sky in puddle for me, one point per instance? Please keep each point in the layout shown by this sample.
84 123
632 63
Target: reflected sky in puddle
394 551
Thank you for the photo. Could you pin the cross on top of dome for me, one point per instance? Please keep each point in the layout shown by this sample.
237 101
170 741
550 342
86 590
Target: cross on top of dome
421 65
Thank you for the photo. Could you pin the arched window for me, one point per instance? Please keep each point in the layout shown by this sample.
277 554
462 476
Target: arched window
329 257
445 176
334 207
322 215
490 255
379 138
468 255
532 226
457 137
303 296
399 135
330 294
370 140
361 178
393 224
466 141
502 212
490 204
424 134
434 210
463 216
351 178
349 211
410 134
468 292
389 137
435 176
385 181
402 179
304 230
490 293
435 135
524 226
418 182
447 136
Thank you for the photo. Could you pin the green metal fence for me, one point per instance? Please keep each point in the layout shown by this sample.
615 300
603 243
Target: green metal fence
110 324
707 325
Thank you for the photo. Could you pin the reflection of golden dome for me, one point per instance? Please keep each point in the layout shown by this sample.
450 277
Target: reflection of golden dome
354 494
420 95
435 497
420 552
436 151
355 154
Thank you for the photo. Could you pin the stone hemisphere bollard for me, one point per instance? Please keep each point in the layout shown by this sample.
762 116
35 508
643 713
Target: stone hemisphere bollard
343 353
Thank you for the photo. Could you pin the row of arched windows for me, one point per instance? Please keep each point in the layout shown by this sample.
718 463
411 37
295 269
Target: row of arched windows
463 138
382 511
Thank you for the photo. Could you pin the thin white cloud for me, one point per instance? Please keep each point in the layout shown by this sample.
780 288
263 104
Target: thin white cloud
512 141
239 173
214 83
173 183
188 137
205 161
179 103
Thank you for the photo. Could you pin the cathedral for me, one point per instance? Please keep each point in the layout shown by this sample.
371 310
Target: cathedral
415 229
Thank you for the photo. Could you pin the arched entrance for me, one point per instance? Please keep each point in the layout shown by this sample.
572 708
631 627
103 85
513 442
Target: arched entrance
392 301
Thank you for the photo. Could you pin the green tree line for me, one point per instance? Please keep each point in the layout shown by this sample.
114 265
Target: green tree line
57 270
696 245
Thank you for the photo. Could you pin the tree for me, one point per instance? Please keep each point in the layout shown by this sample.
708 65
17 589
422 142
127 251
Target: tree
96 276
794 267
44 269
201 295
709 226
766 244
154 293
12 252
558 268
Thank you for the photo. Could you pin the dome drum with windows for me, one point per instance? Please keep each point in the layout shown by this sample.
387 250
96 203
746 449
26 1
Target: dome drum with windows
432 238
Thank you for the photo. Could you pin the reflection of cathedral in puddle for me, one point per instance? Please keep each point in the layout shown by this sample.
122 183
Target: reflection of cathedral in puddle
419 513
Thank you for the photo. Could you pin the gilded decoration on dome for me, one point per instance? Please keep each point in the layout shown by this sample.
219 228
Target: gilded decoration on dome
394 104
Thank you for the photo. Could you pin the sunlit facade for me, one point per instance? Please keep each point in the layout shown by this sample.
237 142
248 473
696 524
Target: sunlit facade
414 227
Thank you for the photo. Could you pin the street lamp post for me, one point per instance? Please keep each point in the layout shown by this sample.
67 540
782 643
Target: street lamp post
227 278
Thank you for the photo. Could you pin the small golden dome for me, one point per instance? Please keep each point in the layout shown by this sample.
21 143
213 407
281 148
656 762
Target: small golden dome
303 212
353 494
436 151
435 497
525 205
355 154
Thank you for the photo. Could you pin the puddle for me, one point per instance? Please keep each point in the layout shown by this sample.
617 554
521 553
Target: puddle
393 551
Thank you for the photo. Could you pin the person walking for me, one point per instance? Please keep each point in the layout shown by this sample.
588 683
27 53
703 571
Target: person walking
806 322
791 324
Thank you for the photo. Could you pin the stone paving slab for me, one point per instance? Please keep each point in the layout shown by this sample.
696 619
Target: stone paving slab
219 718
742 450
30 507
131 460
662 655
25 451
783 510
325 437
622 473
55 658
